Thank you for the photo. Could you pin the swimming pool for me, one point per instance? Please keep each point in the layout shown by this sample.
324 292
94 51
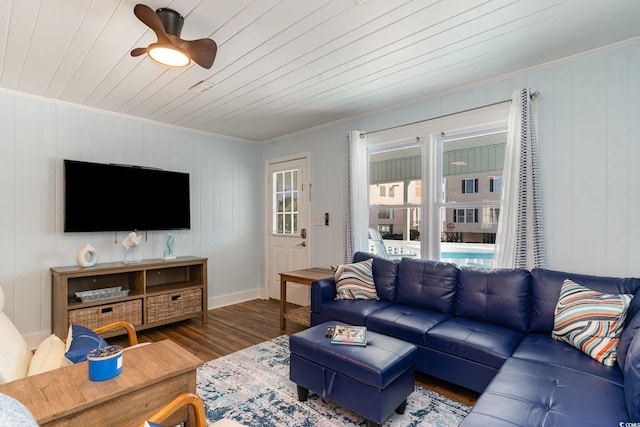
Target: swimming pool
466 255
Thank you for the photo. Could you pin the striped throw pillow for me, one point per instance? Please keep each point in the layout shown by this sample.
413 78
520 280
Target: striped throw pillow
355 281
590 321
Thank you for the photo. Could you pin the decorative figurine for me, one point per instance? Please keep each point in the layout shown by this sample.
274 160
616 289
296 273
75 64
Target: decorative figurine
81 256
132 241
168 254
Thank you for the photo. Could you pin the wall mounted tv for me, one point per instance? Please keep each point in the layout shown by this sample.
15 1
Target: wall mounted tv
110 197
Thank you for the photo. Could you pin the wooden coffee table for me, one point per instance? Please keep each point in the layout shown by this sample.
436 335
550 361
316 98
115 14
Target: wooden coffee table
304 277
152 375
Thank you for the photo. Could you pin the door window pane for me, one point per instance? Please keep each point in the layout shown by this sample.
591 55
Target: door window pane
285 195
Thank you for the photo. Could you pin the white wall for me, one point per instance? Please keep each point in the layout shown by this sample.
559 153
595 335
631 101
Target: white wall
36 135
590 155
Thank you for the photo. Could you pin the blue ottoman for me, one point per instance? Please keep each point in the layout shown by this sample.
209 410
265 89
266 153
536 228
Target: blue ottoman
372 381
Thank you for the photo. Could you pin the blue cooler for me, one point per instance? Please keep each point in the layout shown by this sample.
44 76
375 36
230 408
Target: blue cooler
105 362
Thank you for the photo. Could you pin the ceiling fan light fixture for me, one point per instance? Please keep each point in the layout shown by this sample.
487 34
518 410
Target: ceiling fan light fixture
167 54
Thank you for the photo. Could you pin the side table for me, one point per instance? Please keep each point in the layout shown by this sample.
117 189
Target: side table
304 277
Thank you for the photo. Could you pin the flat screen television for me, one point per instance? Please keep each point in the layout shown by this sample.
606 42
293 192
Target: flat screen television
111 197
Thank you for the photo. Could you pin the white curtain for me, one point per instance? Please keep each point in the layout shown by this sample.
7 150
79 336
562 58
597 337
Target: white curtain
520 237
357 219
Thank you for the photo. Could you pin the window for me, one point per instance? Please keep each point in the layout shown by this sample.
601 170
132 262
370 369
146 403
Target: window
385 229
383 191
385 213
465 215
397 215
445 186
495 184
470 185
494 215
469 209
285 194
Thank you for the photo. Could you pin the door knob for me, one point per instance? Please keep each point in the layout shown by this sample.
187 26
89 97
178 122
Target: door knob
303 244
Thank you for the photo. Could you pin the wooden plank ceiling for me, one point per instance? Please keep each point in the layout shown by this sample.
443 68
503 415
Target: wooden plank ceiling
288 65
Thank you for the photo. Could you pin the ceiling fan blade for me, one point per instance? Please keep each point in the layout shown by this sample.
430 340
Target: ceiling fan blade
150 19
139 51
201 51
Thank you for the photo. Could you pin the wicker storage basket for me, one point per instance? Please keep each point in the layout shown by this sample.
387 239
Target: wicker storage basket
175 304
92 317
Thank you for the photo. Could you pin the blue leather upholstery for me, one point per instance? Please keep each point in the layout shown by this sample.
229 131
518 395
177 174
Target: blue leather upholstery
405 322
630 331
543 348
531 393
470 339
427 284
498 296
490 331
386 273
353 312
632 379
372 381
455 369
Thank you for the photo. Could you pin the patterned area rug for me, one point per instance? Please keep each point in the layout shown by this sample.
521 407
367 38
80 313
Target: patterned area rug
252 386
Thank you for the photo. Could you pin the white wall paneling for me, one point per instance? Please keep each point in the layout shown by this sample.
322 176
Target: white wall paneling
589 154
37 135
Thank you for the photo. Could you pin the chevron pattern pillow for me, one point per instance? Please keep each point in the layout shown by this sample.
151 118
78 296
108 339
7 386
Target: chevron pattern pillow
355 281
590 321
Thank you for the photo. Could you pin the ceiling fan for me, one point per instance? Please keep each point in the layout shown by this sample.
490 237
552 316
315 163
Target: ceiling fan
170 49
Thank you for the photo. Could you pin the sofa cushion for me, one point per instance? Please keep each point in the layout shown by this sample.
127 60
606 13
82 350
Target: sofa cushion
543 348
48 356
499 296
355 281
405 322
385 274
632 379
353 312
531 393
591 321
545 290
481 342
628 333
428 284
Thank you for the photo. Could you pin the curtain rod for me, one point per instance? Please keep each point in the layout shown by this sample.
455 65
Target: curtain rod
534 94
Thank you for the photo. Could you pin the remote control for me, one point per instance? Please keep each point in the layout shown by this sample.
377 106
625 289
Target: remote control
329 332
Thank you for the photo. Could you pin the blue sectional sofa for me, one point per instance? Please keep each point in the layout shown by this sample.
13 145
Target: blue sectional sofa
489 330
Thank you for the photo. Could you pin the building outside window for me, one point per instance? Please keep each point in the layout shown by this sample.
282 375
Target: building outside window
465 216
470 185
495 184
494 215
385 213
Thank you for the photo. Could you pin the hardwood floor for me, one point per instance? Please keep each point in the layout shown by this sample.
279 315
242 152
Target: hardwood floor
238 326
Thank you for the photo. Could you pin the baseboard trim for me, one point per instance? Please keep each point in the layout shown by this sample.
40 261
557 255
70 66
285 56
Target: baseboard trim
230 299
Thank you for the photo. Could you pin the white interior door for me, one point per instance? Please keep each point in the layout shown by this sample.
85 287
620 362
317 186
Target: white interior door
288 225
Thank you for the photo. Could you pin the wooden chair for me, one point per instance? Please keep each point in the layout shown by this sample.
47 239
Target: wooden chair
17 360
381 248
179 402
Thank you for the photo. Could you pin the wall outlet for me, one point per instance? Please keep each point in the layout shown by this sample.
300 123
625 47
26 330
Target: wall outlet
318 220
